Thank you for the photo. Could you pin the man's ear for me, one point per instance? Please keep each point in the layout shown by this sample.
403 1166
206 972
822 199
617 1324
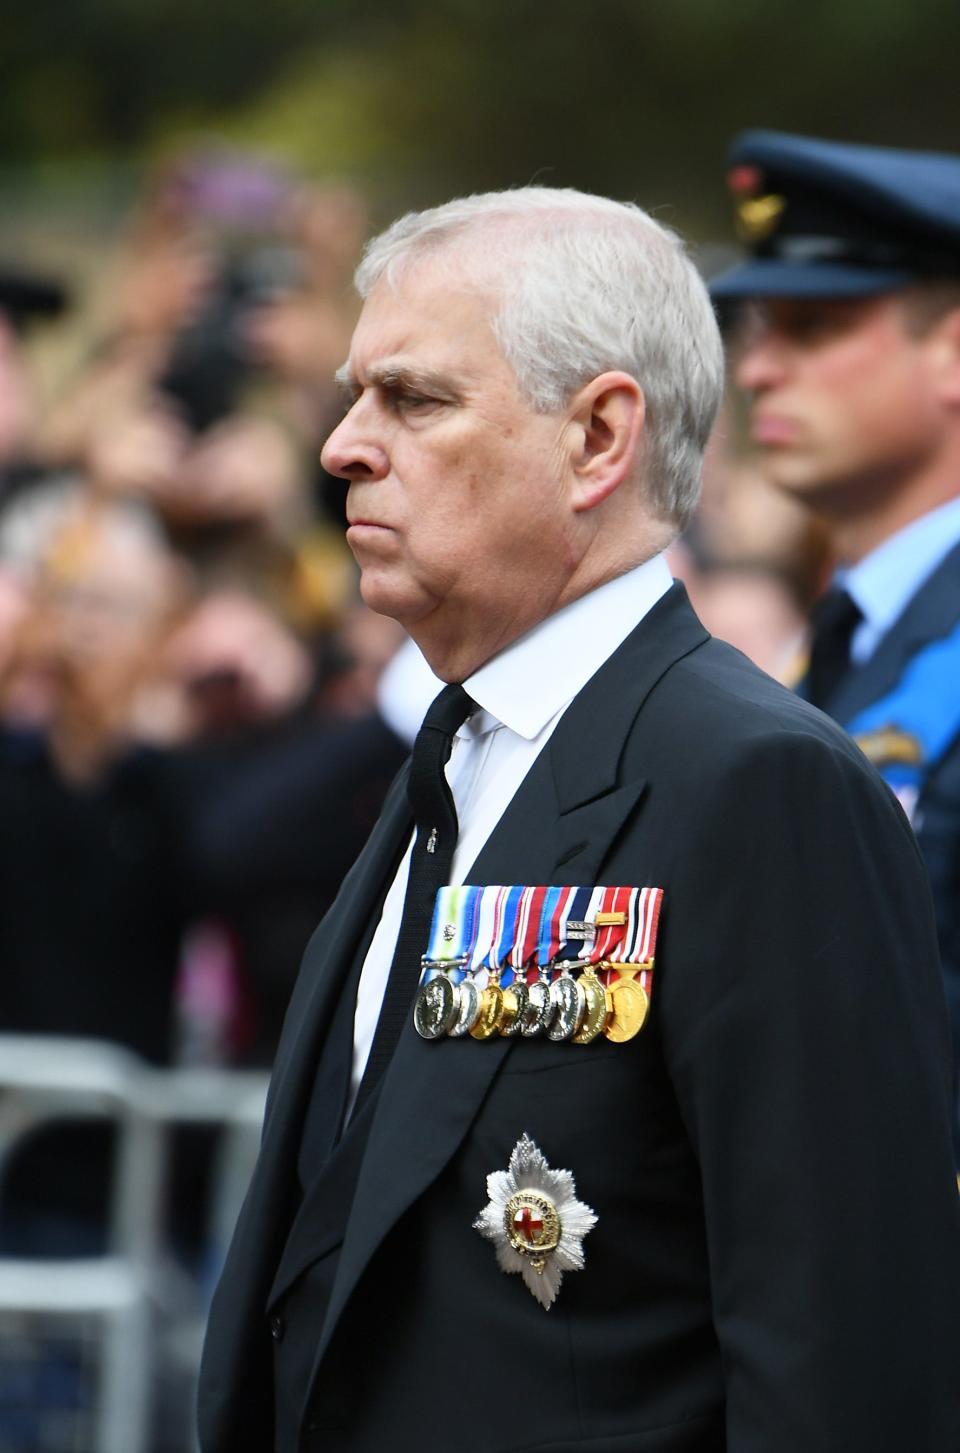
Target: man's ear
608 416
948 357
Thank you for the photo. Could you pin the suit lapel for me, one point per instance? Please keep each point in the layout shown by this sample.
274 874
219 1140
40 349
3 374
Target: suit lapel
932 612
558 829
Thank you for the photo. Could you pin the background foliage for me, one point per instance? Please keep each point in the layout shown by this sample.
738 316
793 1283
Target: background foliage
421 98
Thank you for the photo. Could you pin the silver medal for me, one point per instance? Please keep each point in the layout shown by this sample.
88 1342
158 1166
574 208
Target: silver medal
434 1008
467 1007
539 1010
570 1003
535 1220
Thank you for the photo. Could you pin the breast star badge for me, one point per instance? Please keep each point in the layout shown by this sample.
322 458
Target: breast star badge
535 1221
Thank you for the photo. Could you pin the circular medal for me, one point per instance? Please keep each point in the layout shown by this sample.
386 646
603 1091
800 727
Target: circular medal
569 1004
514 1005
491 1002
597 1011
509 1011
539 1011
434 1008
630 1005
468 1007
532 1226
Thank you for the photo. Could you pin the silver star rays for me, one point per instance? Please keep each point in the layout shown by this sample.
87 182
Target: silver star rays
535 1221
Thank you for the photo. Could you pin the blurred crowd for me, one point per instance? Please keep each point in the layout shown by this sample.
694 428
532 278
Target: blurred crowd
190 755
192 750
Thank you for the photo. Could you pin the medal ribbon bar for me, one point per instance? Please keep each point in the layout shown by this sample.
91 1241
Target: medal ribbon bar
524 948
571 942
453 930
507 917
639 942
529 935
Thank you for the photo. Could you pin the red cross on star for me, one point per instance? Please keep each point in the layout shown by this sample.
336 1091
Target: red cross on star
528 1222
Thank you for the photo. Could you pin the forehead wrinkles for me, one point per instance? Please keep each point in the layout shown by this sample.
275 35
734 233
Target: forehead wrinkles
426 334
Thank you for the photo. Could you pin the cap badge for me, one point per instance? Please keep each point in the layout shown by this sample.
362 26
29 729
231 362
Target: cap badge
535 1221
757 217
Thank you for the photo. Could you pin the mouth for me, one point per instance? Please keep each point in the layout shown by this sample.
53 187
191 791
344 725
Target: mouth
361 523
773 429
367 538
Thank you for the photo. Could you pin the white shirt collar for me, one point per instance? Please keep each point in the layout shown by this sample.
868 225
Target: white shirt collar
883 582
526 684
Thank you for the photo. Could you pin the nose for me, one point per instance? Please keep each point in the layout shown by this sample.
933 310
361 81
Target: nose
351 453
762 360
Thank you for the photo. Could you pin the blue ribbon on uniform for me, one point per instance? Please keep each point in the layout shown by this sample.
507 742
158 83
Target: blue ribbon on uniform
570 948
924 706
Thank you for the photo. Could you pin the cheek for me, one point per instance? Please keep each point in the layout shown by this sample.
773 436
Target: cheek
892 401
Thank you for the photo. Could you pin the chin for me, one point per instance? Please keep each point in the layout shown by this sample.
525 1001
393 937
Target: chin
389 598
789 473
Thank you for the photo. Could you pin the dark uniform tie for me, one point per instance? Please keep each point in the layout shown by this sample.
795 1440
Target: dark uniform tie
435 815
834 619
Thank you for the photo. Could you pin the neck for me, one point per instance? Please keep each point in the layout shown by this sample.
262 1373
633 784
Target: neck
455 655
857 533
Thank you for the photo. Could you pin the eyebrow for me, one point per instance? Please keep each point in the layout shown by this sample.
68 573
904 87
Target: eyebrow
397 376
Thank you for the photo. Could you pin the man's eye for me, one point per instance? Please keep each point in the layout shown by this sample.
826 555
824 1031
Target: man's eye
407 403
814 324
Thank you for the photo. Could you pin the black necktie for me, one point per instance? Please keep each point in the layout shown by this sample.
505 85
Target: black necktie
435 815
834 619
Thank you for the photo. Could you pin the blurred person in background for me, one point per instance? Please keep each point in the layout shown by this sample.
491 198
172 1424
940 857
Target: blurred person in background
190 756
284 763
165 409
92 898
749 603
25 299
848 347
752 559
209 392
168 607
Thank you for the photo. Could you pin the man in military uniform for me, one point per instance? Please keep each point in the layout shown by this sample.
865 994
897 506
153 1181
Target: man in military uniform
849 347
652 1152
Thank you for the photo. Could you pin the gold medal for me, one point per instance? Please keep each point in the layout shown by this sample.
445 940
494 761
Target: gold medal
514 1008
491 1007
597 1011
630 1002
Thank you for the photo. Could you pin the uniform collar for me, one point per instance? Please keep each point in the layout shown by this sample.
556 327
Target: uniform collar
886 580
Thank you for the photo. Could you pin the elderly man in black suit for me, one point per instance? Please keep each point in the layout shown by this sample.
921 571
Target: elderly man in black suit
735 1220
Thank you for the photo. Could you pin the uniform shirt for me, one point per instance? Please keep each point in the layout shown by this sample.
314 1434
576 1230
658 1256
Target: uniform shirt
884 582
521 694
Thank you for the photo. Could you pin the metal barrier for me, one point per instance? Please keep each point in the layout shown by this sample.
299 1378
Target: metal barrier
115 1305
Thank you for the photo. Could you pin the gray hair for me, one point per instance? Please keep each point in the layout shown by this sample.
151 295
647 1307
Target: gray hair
584 285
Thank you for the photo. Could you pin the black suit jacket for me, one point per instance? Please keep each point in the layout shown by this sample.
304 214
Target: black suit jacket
776 1262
